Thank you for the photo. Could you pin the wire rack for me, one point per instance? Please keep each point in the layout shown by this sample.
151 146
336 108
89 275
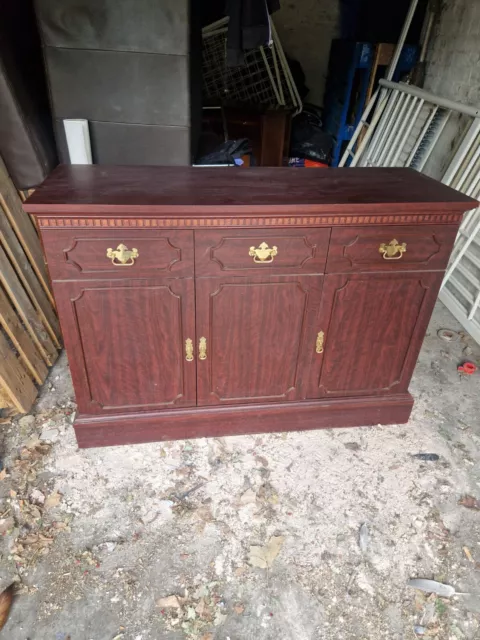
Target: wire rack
264 78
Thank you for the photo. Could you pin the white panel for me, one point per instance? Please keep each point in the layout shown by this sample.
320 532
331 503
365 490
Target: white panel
78 141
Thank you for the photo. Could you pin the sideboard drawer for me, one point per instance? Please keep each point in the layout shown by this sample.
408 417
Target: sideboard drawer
254 251
121 253
388 248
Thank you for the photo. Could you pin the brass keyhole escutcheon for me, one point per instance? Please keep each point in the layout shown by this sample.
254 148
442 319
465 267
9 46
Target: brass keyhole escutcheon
263 254
392 250
319 342
122 256
189 350
202 349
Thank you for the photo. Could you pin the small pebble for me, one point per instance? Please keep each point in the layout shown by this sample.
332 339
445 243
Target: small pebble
49 435
353 446
26 421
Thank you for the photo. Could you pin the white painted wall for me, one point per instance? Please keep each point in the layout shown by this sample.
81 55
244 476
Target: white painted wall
306 29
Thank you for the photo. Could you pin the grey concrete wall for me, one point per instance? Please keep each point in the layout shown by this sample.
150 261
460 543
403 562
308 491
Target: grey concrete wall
453 62
124 66
453 70
306 29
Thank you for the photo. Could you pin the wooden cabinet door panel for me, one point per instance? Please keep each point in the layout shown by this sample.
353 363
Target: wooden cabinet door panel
126 343
260 334
374 326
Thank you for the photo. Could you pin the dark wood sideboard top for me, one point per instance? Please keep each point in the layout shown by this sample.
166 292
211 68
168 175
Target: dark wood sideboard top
90 190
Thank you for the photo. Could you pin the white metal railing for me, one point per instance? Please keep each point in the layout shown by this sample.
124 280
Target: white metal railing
460 290
405 127
402 126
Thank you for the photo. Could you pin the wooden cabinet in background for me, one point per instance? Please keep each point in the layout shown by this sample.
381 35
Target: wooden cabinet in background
206 302
267 131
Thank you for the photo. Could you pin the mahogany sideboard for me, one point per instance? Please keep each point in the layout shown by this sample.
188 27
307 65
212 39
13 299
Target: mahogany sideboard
205 302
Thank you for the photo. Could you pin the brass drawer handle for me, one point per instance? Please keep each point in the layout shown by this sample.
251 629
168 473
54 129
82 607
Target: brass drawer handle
319 342
122 256
391 249
202 349
188 350
263 254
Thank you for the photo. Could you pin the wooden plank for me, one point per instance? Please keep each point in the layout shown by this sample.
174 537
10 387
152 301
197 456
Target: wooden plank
20 338
23 227
29 279
371 84
383 56
26 194
5 402
373 73
14 380
385 53
274 124
26 311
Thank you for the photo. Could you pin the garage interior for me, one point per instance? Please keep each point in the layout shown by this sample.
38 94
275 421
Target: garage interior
301 535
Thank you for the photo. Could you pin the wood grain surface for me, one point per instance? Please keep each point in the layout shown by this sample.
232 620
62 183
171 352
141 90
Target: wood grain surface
374 326
198 191
14 380
255 418
227 252
26 311
21 340
260 332
265 221
83 253
286 346
126 343
357 248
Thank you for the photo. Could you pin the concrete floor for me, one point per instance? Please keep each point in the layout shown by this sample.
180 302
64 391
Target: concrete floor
123 528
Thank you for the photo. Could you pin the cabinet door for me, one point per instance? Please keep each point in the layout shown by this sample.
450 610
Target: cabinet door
125 342
373 327
257 336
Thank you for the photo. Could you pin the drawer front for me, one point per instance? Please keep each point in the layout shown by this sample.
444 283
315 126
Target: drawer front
118 253
390 248
252 252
